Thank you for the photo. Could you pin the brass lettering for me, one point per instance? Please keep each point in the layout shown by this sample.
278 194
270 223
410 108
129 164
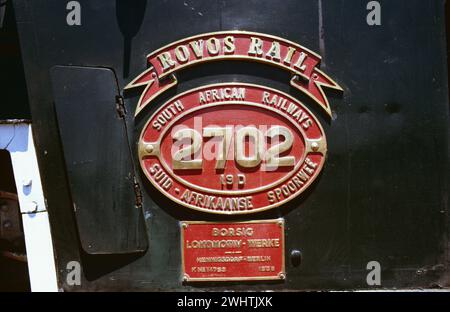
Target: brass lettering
229 46
222 94
161 177
213 46
274 51
264 243
217 203
182 54
166 60
240 231
300 61
289 55
197 47
255 47
167 114
211 244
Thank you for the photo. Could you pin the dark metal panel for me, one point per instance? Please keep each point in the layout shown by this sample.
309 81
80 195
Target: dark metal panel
13 93
383 194
393 138
98 161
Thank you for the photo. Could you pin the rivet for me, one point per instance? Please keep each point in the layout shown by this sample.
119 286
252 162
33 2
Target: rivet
149 148
184 225
296 257
185 277
315 146
281 275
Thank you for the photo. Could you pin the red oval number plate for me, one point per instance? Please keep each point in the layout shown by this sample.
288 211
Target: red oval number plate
232 148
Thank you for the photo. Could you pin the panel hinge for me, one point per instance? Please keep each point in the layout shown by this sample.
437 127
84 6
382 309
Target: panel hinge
120 106
137 194
121 112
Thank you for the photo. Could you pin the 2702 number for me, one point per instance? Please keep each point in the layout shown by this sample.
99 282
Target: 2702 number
182 158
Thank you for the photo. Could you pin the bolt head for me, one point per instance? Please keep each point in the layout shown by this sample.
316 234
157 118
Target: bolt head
149 148
296 257
315 146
